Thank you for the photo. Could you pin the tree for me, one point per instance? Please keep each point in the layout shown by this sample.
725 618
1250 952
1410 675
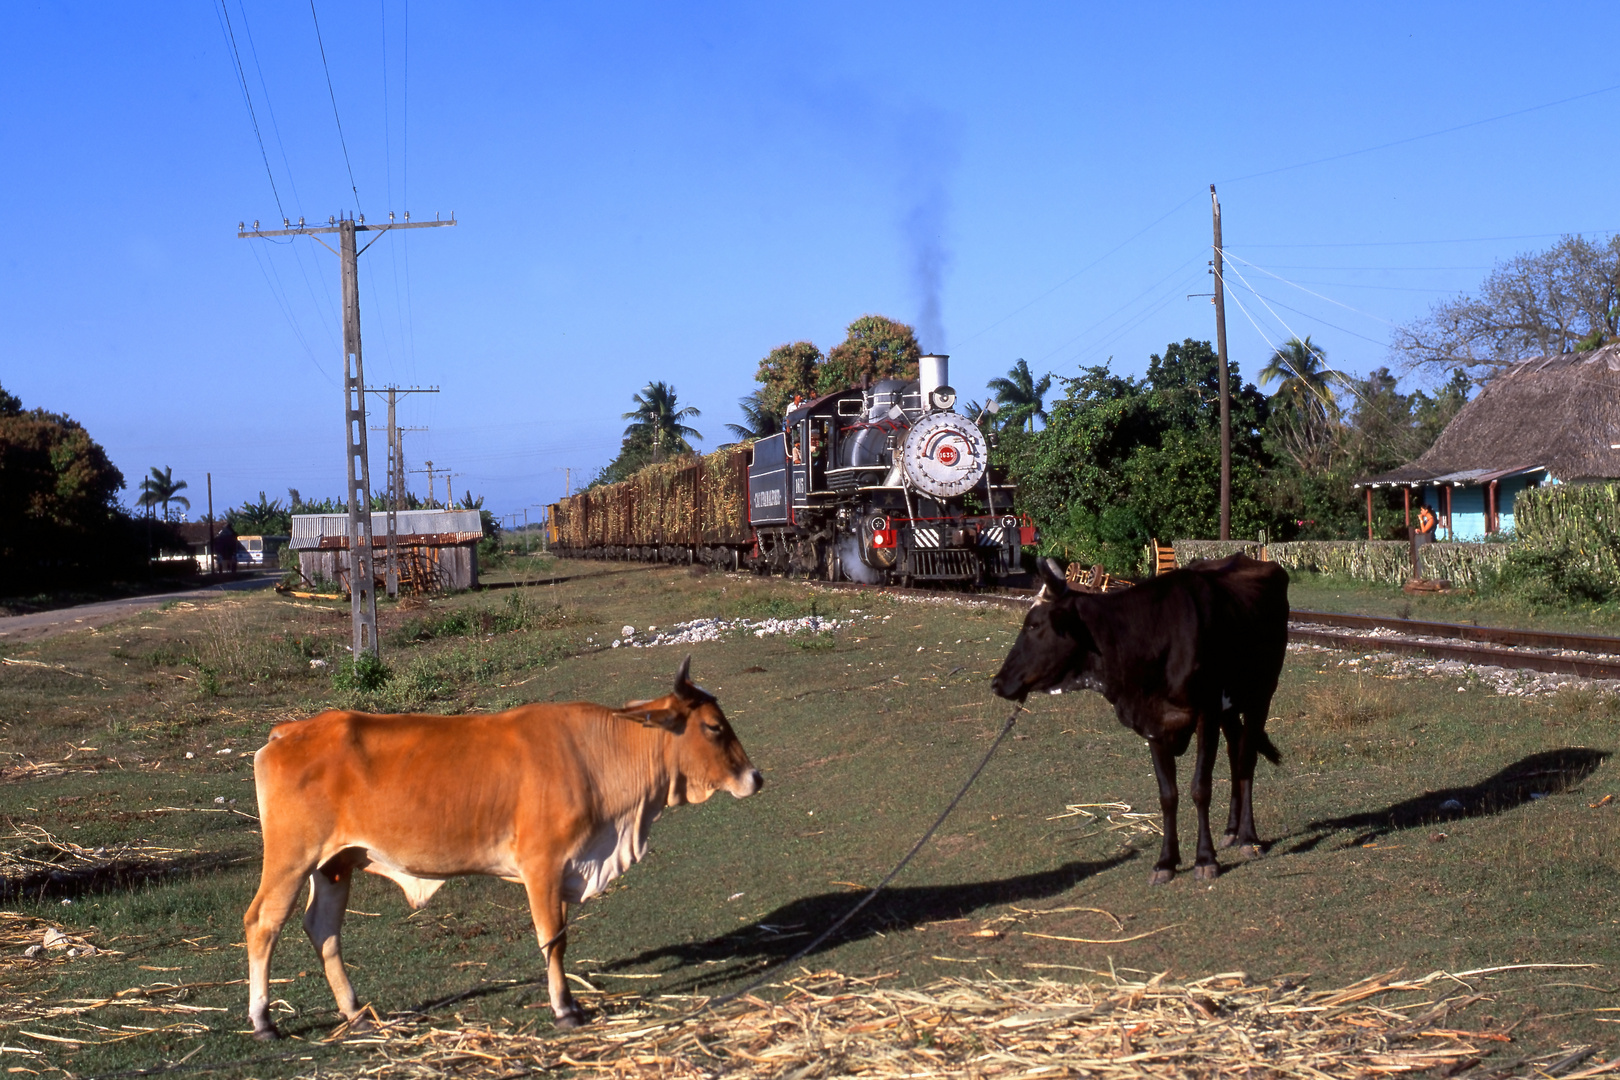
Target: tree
1122 460
60 523
162 487
786 372
1304 409
874 347
659 416
266 517
1022 398
759 421
1564 299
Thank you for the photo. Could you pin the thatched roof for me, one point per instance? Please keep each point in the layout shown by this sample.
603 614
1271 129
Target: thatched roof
1558 413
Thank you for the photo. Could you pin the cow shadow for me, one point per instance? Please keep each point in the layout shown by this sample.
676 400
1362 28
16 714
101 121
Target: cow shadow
782 932
47 879
1546 773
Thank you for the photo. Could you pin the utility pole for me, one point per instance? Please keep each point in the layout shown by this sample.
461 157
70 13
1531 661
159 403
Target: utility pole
362 570
212 566
449 489
396 495
429 471
1220 351
396 482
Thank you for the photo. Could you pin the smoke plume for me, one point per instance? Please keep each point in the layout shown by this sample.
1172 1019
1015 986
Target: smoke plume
931 156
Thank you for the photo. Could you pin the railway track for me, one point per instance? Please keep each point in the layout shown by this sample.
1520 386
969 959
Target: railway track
1586 656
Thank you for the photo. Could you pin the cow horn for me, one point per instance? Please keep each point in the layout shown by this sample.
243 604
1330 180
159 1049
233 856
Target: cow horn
1053 582
682 682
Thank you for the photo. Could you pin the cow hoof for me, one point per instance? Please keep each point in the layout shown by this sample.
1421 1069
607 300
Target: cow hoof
569 1020
1207 871
1229 840
1161 876
1252 851
269 1034
361 1025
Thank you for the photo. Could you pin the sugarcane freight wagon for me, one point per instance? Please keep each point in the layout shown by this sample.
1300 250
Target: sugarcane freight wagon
884 484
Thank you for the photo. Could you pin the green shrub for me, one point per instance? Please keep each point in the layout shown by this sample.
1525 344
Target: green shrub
1553 576
364 674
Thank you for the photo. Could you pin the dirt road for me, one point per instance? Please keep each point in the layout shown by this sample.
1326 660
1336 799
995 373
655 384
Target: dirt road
43 624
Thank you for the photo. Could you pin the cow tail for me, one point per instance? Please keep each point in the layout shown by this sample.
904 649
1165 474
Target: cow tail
1267 748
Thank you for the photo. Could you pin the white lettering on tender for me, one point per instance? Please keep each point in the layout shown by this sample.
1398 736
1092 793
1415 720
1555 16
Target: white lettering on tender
772 497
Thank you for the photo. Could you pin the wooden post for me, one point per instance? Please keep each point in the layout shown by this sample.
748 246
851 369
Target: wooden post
1369 511
212 564
1406 493
1446 491
1490 512
1220 354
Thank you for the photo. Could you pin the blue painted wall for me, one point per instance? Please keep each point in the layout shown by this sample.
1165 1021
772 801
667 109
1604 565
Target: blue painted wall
1468 506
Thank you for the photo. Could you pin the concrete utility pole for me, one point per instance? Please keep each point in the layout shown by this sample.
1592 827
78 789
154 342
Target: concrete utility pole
1220 351
429 470
362 580
396 496
396 481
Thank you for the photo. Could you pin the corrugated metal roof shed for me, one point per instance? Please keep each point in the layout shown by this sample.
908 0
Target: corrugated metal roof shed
433 527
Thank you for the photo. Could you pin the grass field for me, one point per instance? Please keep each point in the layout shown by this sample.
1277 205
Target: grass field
128 823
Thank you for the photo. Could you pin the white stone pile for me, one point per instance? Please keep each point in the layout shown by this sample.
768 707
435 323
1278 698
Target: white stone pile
1511 682
715 629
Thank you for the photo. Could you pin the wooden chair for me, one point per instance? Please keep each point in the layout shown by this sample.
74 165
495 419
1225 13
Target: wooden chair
1164 558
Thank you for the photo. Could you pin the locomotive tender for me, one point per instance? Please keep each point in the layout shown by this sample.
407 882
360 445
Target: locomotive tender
882 485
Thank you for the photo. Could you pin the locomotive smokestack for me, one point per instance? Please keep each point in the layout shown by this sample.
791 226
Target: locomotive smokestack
933 372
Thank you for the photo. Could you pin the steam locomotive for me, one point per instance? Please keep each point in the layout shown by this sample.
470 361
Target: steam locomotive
886 484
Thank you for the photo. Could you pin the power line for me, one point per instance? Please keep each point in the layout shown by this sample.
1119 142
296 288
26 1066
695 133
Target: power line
1117 311
333 95
241 78
1297 266
1433 243
388 173
1303 289
1315 318
1111 251
1425 135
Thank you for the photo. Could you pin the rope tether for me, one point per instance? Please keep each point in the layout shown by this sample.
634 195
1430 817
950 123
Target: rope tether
872 895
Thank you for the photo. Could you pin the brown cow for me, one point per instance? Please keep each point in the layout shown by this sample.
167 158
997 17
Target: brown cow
558 797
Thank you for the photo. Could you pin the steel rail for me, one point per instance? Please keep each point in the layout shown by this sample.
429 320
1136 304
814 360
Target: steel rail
1492 635
1489 653
1485 655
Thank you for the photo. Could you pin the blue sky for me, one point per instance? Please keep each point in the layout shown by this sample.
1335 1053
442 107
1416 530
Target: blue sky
669 191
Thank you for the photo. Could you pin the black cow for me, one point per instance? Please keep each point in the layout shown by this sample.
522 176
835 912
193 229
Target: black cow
1195 650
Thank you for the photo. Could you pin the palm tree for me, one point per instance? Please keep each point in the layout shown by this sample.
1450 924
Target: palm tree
759 421
162 487
657 415
1305 409
1306 380
1022 398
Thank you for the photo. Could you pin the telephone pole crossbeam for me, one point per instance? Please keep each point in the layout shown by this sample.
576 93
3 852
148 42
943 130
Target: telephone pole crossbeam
362 566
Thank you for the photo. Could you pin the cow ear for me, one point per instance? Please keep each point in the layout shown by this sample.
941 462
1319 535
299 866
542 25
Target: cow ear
668 719
1053 582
